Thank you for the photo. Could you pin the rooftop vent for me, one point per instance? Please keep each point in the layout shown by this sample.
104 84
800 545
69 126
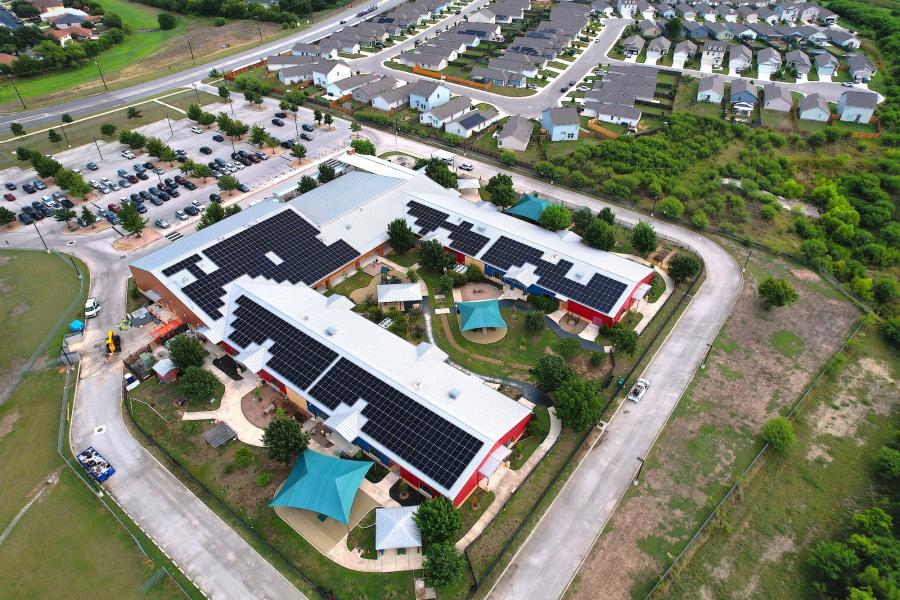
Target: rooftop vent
454 393
480 229
330 330
417 385
579 275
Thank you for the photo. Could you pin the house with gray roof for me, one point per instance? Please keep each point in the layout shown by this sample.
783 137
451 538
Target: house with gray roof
743 99
391 99
713 55
856 106
516 134
860 68
740 58
632 45
472 122
843 39
649 29
684 51
826 65
800 62
618 114
719 31
427 94
561 123
657 49
768 61
370 90
813 107
452 109
694 30
345 86
777 97
711 89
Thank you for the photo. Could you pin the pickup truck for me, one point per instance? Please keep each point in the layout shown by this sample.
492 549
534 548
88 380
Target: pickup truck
640 388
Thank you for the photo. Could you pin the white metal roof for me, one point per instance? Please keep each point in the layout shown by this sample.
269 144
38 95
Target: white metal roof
399 292
395 528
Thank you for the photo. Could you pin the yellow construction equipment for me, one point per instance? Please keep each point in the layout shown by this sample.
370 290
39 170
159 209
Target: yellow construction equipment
110 342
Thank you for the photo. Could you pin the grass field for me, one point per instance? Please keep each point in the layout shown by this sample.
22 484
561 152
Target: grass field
66 544
802 498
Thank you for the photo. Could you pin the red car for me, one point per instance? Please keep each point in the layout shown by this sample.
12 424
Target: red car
9 197
114 207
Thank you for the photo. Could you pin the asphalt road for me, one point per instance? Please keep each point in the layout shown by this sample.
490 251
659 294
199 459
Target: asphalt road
568 530
91 104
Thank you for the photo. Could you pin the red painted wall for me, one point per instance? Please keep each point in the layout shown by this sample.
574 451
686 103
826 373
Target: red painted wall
514 434
228 349
265 376
588 313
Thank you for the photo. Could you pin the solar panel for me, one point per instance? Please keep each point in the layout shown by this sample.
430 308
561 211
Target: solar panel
403 426
303 258
462 237
296 356
600 293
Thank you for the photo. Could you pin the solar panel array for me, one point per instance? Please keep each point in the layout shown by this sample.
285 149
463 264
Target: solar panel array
295 355
600 293
304 258
462 238
422 438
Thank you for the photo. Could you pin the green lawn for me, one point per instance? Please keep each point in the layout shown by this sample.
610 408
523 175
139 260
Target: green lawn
777 120
407 259
528 443
363 537
354 282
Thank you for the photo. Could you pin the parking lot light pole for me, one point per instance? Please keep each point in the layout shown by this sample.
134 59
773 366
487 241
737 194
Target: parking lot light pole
40 236
191 48
169 121
103 79
98 149
197 93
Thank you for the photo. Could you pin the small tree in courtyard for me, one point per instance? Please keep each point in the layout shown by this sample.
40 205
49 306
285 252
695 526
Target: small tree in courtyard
197 385
307 184
401 236
555 217
438 520
283 438
534 321
433 256
186 351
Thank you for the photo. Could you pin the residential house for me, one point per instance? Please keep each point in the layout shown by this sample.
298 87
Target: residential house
649 29
329 51
618 114
694 30
562 124
391 99
814 108
766 15
326 72
425 95
345 87
777 98
367 92
743 99
685 12
538 47
800 63
706 12
843 39
789 12
826 65
423 59
294 75
809 13
857 107
664 10
748 14
826 17
341 43
507 11
657 49
516 134
768 61
441 42
761 31
470 41
711 89
438 116
472 122
501 77
72 17
281 61
485 15
627 8
727 13
860 68
485 31
684 51
528 69
47 5
632 45
740 58
601 8
720 32
645 10
713 55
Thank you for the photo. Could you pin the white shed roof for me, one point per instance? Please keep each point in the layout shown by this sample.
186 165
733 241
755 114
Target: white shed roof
396 528
399 292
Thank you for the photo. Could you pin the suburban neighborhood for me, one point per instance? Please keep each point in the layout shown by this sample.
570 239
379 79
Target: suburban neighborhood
449 299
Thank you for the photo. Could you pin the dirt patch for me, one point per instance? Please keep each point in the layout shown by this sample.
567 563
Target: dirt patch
804 275
7 422
843 414
781 545
18 310
5 288
713 432
126 244
818 452
5 259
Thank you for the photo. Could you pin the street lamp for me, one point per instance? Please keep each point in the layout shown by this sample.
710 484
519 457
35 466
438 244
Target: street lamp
40 236
105 87
637 476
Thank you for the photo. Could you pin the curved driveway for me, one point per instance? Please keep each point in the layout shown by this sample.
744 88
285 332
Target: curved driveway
553 553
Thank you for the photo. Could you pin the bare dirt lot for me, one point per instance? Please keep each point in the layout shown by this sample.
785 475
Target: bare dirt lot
759 365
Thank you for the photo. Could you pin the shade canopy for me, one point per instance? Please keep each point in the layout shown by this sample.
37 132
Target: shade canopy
396 528
476 315
323 484
529 207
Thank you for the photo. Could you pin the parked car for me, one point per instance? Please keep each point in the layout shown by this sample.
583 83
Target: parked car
564 89
640 388
192 210
155 201
143 176
215 198
161 223
139 168
123 183
306 137
122 173
281 115
113 207
9 197
126 154
26 218
39 184
181 215
190 186
307 127
159 170
9 186
29 189
66 203
205 150
243 188
466 166
218 138
92 166
196 129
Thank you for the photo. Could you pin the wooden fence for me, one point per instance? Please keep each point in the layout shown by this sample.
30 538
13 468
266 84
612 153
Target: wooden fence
452 78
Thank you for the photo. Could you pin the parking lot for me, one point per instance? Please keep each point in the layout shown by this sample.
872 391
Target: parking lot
109 160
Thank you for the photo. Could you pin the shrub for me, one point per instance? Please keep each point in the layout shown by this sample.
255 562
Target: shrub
700 220
543 303
597 358
683 267
438 521
779 433
443 565
219 21
186 351
643 237
569 348
671 207
166 21
534 321
578 403
283 438
555 217
197 385
263 479
888 461
776 292
243 456
551 372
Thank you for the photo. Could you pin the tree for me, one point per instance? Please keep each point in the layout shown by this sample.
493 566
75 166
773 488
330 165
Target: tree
779 433
307 184
873 522
108 129
555 217
54 137
600 234
87 217
258 135
213 214
671 207
298 151
643 238
500 180
534 321
700 220
581 219
167 155
66 118
885 290
683 267
186 351
228 183
329 120
504 197
400 235
194 111
433 256
65 215
131 219
326 173
271 143
355 127
443 565
17 129
253 97
23 153
202 171
6 216
551 372
133 113
317 116
673 28
834 561
283 438
438 521
224 93
607 215
578 403
776 292
166 21
363 147
624 340
569 348
197 385
438 171
888 462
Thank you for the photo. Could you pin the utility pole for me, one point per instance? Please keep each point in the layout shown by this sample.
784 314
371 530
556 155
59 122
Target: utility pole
15 87
105 87
197 93
706 356
40 236
98 149
259 29
637 475
169 121
191 48
62 127
749 254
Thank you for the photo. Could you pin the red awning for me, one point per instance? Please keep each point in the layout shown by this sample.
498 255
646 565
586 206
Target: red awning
166 328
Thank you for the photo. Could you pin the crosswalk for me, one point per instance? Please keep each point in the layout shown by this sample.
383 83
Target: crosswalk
174 236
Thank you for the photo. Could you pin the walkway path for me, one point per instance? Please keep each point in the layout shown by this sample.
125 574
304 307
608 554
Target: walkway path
492 361
511 480
648 310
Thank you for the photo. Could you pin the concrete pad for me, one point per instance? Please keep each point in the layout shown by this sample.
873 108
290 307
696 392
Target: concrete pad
325 535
